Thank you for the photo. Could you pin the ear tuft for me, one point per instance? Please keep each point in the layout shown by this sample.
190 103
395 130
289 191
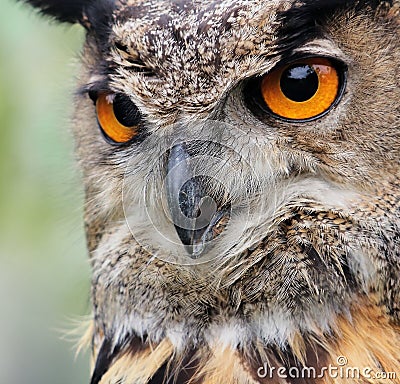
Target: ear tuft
70 11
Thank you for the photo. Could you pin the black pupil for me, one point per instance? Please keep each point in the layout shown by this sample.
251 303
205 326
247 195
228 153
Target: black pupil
299 82
125 111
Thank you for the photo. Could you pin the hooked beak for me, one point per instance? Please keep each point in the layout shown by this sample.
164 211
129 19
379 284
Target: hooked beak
198 218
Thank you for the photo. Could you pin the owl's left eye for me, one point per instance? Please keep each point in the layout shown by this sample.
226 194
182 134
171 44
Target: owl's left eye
302 90
118 117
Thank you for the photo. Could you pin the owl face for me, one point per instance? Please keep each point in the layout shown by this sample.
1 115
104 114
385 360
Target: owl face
241 162
241 165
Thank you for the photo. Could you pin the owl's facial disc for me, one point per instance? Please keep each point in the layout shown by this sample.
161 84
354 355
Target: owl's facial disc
198 218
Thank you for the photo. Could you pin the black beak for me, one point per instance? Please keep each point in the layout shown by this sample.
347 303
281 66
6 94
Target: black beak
197 216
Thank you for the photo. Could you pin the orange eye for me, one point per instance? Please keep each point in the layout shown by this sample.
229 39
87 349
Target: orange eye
118 117
302 90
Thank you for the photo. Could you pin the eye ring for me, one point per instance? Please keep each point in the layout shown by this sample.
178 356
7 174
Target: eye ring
118 117
300 91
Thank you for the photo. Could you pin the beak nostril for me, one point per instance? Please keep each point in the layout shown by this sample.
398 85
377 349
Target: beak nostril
195 211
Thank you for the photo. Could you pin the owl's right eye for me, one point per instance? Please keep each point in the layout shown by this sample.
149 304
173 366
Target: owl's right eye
118 117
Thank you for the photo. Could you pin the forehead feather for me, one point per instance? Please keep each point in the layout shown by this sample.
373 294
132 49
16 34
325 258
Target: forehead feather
190 49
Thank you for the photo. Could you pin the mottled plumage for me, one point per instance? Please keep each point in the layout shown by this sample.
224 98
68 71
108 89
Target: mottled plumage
307 269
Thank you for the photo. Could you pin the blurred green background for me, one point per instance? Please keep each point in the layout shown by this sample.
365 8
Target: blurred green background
44 272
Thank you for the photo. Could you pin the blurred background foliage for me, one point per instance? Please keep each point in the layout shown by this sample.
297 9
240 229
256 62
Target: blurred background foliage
44 272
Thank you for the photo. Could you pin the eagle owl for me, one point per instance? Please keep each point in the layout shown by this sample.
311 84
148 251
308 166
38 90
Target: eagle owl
241 163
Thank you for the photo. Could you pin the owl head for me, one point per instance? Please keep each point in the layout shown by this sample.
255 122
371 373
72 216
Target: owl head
241 163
